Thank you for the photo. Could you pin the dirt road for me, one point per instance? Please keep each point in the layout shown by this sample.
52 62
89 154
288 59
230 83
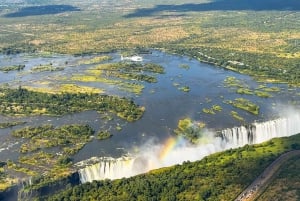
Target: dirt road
265 178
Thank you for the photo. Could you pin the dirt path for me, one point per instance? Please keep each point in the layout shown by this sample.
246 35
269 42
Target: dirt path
265 178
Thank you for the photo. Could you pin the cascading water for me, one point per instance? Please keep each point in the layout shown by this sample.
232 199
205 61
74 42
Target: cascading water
260 132
107 168
175 152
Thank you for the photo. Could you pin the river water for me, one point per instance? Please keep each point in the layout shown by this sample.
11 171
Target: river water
165 104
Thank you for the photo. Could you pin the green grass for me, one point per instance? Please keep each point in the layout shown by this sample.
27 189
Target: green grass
12 68
236 116
125 76
244 104
43 68
11 124
102 135
184 88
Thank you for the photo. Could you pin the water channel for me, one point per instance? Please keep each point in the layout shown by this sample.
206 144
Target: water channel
165 104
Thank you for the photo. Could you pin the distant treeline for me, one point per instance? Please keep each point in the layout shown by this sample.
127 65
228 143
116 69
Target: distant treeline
264 67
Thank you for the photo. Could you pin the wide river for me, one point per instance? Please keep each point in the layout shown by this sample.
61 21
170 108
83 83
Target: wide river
165 104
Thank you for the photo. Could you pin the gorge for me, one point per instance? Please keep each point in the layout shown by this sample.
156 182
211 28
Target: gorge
171 152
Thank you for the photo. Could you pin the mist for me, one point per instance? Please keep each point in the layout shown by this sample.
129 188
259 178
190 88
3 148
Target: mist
176 150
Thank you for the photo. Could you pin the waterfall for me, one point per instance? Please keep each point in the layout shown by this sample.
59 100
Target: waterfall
173 152
261 132
107 168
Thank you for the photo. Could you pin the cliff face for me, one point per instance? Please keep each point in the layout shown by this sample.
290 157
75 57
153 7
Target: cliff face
23 192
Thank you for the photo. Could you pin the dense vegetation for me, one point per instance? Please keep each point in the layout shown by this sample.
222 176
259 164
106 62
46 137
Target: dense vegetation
46 136
11 124
221 176
12 68
126 76
247 37
23 102
131 71
102 135
190 130
38 161
244 104
286 184
42 68
212 110
264 44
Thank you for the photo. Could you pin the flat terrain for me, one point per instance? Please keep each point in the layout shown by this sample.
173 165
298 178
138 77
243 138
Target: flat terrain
258 38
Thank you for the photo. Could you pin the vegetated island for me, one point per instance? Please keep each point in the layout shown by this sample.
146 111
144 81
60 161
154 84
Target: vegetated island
12 68
242 88
36 159
244 104
47 136
127 76
102 135
131 70
262 44
11 124
45 67
24 102
190 130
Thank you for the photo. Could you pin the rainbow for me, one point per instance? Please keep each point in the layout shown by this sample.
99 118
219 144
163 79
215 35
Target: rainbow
169 145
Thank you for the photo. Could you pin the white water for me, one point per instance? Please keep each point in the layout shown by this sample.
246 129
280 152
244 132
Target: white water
261 132
107 168
151 155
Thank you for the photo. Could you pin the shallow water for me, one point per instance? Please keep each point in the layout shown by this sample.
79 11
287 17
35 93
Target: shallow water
164 103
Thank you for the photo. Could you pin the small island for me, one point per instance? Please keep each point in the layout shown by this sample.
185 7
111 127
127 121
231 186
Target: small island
190 130
12 68
24 102
244 104
102 135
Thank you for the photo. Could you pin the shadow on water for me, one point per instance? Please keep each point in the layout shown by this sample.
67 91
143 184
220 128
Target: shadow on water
221 5
42 10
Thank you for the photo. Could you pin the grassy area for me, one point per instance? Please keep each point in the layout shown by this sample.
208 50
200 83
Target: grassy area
244 104
95 60
73 88
65 88
212 110
11 124
12 68
184 88
43 68
242 88
126 76
236 116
